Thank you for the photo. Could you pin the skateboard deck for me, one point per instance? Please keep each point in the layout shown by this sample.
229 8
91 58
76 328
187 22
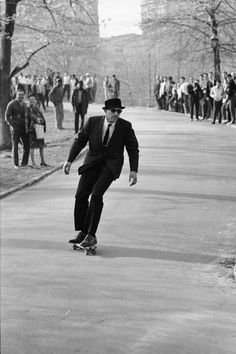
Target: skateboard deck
91 250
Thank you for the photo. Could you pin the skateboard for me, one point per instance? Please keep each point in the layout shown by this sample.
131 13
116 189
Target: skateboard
91 250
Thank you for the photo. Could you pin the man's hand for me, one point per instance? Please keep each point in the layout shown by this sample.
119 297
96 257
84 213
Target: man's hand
132 178
66 167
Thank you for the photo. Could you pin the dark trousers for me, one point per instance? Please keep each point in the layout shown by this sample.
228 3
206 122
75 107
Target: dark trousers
217 111
19 135
95 181
77 115
194 102
185 102
232 103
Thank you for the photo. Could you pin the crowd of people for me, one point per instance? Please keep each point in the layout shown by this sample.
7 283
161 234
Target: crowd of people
41 85
28 124
205 97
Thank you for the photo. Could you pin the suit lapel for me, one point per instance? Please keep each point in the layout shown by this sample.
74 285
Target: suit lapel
100 128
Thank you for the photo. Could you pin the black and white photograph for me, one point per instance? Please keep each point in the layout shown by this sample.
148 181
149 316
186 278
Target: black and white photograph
118 176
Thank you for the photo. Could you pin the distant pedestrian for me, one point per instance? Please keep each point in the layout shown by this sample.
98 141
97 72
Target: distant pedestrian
115 87
41 92
93 88
56 96
80 103
66 85
88 85
107 88
157 90
15 117
36 126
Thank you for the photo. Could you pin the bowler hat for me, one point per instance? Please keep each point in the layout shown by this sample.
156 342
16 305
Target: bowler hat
113 103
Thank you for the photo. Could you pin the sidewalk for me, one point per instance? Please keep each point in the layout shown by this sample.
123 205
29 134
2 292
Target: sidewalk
155 285
56 152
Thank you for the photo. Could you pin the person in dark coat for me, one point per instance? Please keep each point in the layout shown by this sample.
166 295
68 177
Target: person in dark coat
107 136
80 101
195 95
15 117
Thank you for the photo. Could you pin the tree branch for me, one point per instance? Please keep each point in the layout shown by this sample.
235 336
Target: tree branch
17 69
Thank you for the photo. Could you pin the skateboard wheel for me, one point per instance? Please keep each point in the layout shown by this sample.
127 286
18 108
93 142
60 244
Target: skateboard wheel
74 247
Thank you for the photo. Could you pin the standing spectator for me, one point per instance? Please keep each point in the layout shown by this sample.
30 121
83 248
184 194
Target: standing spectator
56 77
211 83
206 104
41 91
107 88
56 96
185 96
88 85
93 88
15 117
173 100
50 74
231 92
34 118
180 98
200 81
195 94
48 88
116 87
66 85
73 82
163 93
217 93
169 85
34 85
15 86
28 83
21 79
157 90
80 103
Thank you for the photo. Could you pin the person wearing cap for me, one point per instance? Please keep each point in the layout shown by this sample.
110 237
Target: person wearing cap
107 136
56 97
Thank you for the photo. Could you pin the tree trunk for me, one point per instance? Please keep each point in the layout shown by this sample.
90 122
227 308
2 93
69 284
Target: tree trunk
5 67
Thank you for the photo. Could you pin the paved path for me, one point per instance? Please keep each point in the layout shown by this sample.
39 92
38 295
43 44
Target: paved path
156 285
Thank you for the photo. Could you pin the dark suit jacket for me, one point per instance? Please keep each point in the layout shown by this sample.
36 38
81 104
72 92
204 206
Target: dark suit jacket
113 153
83 107
231 88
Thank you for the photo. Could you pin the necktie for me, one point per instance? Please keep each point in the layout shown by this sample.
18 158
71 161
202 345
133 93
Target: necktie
105 139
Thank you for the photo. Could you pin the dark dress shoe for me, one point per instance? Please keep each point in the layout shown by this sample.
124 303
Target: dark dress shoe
78 239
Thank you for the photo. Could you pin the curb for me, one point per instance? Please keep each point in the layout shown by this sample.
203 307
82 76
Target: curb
36 179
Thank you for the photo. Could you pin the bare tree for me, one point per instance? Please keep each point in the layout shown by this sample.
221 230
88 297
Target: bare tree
187 27
61 23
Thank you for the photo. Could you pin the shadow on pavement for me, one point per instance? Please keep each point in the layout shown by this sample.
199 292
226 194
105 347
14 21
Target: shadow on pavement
112 251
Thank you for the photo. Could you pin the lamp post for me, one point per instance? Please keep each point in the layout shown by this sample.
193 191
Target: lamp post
215 47
211 9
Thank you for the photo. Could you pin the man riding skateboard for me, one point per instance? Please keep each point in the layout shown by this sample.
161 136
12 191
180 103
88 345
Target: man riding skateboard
107 137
